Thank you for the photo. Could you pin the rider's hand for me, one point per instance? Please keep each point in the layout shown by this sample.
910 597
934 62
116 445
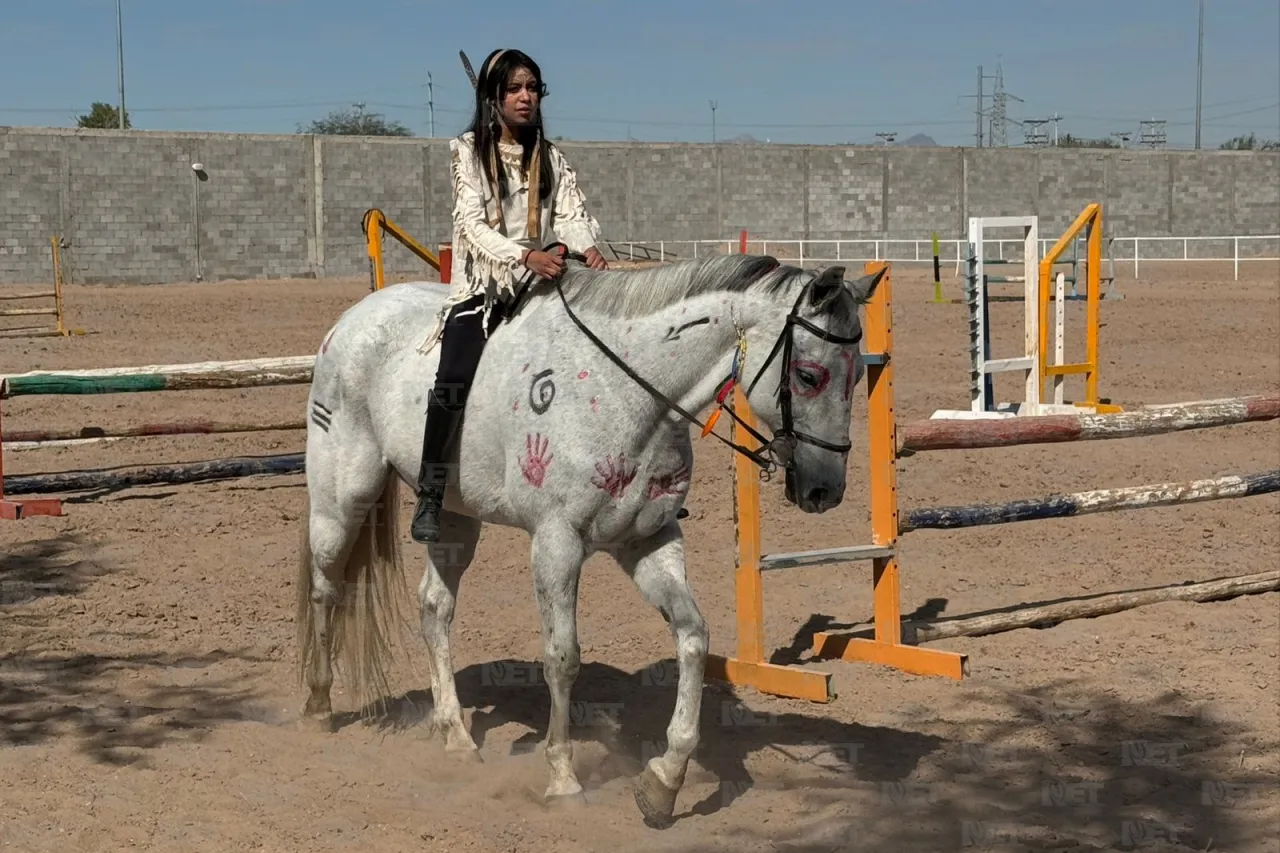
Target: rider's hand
595 260
544 264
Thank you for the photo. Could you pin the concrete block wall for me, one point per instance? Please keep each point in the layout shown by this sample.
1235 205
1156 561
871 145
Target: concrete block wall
131 208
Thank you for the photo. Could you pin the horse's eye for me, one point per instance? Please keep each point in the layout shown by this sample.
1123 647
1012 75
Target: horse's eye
808 377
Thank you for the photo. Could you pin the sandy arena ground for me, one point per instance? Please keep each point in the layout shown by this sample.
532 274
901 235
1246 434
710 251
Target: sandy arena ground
147 694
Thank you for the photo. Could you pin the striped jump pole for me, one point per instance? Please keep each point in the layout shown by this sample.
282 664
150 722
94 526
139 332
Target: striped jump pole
252 373
1095 501
948 434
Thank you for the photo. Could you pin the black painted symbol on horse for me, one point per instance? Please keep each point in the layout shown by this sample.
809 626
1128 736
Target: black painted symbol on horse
673 332
321 416
541 392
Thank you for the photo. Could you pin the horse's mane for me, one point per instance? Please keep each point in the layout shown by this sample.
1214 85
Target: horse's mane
637 293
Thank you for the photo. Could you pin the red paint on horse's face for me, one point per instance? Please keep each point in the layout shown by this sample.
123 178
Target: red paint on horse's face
821 375
849 375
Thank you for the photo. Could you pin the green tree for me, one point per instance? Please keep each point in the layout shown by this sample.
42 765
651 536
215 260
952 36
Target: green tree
356 122
1251 143
103 116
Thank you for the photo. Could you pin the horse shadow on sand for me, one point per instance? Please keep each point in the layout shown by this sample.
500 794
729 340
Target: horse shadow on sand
627 713
1065 766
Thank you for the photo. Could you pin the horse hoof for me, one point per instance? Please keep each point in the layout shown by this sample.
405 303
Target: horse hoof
465 756
657 802
572 801
316 723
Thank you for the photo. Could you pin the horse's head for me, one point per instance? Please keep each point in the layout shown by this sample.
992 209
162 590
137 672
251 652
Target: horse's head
805 393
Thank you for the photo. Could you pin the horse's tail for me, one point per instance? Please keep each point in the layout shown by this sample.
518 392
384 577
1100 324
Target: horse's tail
369 604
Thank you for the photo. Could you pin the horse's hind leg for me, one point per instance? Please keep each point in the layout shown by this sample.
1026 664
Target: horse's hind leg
447 559
350 494
657 566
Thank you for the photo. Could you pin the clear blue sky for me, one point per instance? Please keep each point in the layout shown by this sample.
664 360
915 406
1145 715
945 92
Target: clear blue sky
801 71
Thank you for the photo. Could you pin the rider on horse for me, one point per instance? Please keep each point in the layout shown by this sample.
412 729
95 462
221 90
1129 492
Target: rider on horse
513 192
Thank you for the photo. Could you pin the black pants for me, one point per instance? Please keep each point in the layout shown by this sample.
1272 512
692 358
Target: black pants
461 345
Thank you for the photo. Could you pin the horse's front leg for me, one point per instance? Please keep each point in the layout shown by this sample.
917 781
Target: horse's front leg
557 558
657 567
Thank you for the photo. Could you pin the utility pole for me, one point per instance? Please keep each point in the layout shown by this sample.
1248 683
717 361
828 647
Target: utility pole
979 110
431 106
714 104
1199 72
119 54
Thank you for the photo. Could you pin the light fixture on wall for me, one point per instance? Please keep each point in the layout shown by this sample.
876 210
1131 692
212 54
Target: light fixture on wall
197 169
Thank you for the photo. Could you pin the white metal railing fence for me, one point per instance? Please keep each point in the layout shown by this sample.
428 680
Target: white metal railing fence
1233 249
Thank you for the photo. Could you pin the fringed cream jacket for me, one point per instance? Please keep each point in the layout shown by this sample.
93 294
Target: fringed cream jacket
488 243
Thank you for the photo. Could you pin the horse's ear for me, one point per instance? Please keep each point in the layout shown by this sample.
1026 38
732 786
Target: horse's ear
863 288
826 286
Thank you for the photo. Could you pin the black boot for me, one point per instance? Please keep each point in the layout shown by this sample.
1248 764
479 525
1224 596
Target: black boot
433 474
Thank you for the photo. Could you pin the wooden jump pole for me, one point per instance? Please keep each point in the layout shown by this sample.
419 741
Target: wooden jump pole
1090 607
155 377
293 370
947 434
192 427
1088 503
197 472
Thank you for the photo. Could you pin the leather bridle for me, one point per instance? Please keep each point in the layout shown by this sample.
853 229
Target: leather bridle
776 452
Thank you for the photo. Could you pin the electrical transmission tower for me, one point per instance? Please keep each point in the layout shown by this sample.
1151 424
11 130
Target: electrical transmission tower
1151 133
999 111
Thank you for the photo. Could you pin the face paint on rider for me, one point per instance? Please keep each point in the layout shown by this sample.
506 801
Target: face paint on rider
521 99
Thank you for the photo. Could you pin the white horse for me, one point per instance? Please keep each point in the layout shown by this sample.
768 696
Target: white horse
577 431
